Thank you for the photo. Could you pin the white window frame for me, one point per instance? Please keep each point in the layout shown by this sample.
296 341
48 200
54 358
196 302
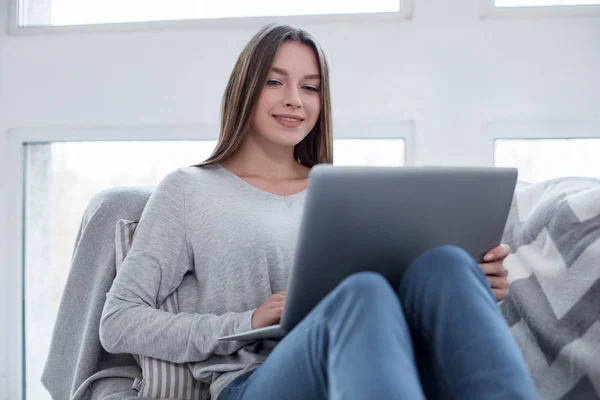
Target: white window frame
565 129
405 13
12 366
488 9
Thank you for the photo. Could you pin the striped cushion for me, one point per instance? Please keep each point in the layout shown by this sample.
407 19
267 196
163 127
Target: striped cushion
161 379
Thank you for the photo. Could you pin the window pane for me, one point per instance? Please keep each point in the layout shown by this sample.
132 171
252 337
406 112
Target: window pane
61 178
542 3
542 159
76 12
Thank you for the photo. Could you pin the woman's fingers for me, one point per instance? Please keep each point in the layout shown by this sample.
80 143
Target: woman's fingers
276 313
275 304
493 268
497 253
500 294
497 282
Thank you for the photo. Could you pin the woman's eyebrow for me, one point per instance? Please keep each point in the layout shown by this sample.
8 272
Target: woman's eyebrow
285 73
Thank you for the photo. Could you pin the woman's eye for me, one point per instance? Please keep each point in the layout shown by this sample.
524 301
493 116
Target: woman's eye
272 82
311 88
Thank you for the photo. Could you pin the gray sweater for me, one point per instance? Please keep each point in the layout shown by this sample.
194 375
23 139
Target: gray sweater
236 239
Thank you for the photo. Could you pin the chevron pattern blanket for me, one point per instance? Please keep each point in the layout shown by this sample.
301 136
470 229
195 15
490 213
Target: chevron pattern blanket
553 306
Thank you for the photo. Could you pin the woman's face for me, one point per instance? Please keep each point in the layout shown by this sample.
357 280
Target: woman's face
290 102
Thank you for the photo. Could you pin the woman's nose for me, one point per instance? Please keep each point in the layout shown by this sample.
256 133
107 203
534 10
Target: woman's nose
292 98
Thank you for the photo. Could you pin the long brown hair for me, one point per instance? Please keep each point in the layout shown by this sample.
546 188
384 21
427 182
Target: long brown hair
248 78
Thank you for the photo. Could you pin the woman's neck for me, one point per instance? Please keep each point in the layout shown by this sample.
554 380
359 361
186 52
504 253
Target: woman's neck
264 160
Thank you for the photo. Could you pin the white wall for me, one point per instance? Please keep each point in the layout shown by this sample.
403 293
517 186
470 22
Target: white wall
446 69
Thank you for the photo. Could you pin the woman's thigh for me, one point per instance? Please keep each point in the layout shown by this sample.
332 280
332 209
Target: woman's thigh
296 369
354 344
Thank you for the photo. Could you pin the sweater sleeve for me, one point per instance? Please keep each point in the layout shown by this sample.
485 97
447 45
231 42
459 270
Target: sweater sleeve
153 269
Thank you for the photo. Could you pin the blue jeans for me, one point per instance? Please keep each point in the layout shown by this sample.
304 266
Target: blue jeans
439 335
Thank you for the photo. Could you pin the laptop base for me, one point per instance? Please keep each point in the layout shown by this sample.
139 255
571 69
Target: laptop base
269 332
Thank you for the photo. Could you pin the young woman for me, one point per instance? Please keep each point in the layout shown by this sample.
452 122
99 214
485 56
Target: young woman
232 222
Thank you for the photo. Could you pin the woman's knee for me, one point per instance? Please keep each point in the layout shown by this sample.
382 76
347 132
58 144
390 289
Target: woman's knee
445 260
365 283
360 295
448 252
363 290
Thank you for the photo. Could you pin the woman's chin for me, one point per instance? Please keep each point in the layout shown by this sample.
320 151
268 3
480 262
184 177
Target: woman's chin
288 139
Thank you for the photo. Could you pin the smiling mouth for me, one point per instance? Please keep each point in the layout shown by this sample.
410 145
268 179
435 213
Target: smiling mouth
289 119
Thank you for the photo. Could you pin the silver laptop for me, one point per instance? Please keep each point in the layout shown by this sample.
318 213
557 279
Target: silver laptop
380 219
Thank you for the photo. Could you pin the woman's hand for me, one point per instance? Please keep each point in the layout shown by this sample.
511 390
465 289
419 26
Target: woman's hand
269 313
495 272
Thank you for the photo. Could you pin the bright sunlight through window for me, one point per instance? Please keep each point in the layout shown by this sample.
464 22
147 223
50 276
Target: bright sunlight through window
544 3
85 12
541 159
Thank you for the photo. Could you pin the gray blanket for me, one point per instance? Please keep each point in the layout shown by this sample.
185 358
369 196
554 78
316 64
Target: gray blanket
77 366
554 303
